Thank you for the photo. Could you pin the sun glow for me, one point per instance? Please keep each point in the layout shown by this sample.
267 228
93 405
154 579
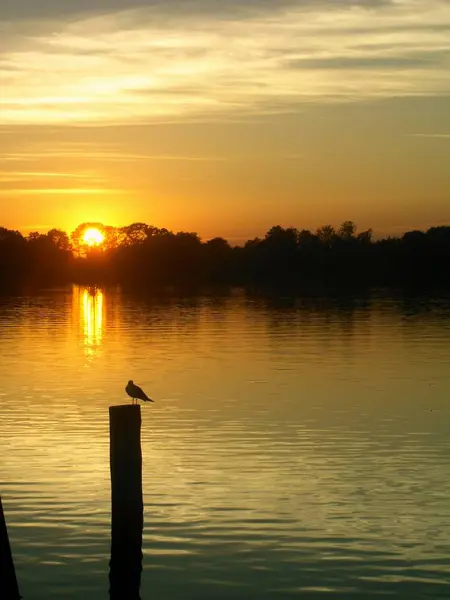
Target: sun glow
93 237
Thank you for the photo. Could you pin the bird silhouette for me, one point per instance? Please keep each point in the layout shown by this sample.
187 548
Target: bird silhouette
136 393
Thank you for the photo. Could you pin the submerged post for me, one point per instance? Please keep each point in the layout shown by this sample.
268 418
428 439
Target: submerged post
127 520
9 589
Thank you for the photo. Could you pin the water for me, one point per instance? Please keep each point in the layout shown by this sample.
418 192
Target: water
296 448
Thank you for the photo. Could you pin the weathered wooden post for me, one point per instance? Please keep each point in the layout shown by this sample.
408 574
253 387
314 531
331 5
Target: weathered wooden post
9 589
127 519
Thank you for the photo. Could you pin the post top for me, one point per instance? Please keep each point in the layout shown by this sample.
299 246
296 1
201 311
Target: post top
125 407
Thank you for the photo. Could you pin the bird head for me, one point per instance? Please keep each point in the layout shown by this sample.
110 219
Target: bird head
130 382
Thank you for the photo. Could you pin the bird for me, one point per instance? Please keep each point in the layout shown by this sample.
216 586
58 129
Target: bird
136 393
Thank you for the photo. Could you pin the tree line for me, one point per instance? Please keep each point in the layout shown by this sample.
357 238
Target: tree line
144 255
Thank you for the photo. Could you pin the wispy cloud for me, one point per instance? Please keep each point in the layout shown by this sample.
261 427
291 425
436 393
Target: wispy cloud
16 176
431 135
103 157
57 191
153 63
163 11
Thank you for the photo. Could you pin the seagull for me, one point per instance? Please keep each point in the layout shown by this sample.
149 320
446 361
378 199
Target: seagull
135 392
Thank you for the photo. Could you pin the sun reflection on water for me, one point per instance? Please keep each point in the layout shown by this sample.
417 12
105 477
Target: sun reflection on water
92 319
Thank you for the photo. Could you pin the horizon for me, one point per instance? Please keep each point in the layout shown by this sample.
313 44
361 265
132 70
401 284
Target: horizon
88 225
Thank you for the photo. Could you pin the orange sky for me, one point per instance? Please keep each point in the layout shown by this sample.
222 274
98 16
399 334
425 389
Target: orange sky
225 122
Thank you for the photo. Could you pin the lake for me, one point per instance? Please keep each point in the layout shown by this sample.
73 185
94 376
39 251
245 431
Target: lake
297 447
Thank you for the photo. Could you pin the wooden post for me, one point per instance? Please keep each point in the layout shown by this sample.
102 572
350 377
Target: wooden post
127 519
9 589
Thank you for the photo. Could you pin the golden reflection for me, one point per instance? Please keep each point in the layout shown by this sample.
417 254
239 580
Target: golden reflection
92 319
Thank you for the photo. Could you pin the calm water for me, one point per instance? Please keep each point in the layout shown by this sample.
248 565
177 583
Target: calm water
296 449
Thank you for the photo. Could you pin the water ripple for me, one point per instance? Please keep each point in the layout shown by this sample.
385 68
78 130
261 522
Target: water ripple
295 449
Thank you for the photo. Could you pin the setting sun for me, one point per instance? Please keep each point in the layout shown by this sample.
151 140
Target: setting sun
93 237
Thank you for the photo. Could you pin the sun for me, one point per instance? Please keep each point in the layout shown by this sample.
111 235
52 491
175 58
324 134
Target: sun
93 236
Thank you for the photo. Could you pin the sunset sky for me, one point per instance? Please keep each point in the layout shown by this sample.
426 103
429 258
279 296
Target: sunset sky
225 117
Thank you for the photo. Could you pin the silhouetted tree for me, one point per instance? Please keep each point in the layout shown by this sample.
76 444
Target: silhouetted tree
60 239
307 239
327 235
13 255
365 237
141 254
218 260
136 233
347 230
49 256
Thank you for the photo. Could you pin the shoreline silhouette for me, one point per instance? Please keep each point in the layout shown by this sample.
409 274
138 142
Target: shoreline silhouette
144 256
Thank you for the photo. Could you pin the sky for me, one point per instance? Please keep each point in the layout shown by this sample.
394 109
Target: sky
225 117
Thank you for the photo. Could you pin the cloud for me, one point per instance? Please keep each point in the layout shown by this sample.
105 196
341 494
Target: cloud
101 156
431 135
165 9
398 63
56 191
193 59
15 176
